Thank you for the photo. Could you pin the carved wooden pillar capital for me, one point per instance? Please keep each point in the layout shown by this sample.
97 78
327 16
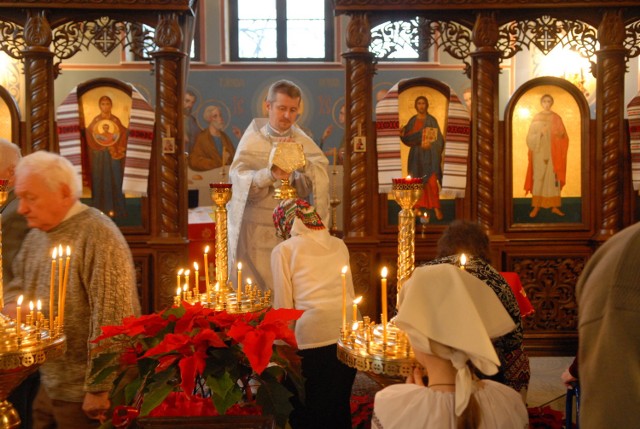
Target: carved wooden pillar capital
38 76
358 33
485 72
611 67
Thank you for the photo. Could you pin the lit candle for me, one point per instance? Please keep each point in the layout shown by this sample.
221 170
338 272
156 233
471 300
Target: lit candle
31 307
52 288
383 273
206 272
176 300
60 273
239 291
19 316
344 298
463 261
196 287
65 281
355 308
38 313
187 274
178 278
249 285
185 288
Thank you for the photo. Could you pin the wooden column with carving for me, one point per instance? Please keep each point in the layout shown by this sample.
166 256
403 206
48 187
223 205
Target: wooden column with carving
38 69
610 109
360 209
484 79
169 231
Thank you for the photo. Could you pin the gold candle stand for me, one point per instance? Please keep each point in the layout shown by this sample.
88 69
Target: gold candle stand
364 346
406 193
220 195
222 298
23 350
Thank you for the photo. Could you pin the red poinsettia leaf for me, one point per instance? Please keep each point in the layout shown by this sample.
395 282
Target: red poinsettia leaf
170 343
191 314
239 330
189 368
165 362
257 345
282 315
224 319
207 338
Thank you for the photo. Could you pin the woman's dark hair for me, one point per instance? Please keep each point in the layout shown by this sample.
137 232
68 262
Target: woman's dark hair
463 236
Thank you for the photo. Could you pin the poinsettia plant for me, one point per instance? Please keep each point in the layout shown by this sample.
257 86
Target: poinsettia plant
192 360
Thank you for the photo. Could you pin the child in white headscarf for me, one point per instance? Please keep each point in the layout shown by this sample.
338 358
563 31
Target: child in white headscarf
450 317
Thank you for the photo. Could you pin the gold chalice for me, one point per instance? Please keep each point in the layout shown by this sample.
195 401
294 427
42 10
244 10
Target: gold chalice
289 157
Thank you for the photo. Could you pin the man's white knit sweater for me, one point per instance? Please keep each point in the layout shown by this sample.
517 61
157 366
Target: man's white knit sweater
101 291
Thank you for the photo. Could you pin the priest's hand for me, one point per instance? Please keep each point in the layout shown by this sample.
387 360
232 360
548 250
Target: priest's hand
279 173
96 405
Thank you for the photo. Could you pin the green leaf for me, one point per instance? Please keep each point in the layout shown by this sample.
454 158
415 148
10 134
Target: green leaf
130 391
225 392
154 397
274 399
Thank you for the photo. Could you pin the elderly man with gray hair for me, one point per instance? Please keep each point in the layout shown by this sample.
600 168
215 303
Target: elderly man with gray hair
101 288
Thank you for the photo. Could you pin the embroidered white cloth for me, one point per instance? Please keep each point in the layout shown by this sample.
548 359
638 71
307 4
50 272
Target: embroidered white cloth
448 312
456 147
140 138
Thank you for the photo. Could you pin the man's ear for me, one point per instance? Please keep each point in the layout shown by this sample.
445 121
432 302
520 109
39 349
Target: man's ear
66 191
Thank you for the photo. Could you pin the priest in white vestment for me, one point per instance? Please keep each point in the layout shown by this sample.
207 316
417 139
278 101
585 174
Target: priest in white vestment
255 178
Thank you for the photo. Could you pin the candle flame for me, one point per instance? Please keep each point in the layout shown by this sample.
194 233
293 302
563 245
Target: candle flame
54 254
195 266
60 250
185 288
344 269
31 305
249 281
354 327
187 272
463 259
239 266
206 250
384 272
20 298
180 271
178 291
409 176
39 305
68 251
357 300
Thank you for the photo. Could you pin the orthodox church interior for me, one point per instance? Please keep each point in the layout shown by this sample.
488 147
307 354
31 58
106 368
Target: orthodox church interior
499 56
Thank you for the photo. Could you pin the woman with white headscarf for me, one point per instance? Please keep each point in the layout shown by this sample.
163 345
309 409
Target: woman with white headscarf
450 317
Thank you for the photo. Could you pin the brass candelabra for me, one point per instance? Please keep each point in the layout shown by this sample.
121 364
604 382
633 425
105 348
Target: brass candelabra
383 349
220 294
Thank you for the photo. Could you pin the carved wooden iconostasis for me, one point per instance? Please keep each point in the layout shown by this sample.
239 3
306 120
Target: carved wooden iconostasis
42 34
547 250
